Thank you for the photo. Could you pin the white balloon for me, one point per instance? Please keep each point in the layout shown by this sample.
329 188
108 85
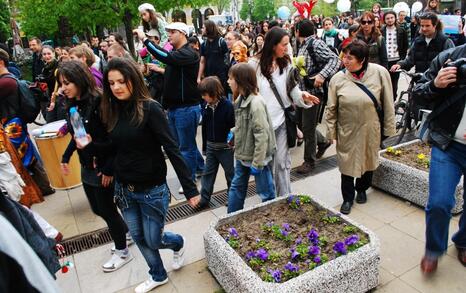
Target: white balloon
343 5
417 6
401 6
329 1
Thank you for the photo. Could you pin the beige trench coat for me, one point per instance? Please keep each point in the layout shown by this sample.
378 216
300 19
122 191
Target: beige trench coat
352 120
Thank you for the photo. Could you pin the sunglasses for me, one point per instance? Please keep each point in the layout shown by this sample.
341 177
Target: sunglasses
366 22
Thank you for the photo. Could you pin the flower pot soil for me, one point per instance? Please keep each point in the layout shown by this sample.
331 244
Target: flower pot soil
290 238
409 154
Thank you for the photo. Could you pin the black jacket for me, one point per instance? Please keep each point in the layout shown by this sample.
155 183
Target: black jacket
180 80
216 124
401 40
98 152
37 65
443 127
139 158
421 54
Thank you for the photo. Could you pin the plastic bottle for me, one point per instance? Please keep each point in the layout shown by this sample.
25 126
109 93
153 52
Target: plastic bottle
78 127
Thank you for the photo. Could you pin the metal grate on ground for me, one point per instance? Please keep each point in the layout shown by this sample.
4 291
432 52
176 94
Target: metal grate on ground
184 210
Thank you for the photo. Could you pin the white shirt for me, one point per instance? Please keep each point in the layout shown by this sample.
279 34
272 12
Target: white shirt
277 115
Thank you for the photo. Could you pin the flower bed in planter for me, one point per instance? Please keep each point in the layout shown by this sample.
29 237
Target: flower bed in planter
291 244
403 172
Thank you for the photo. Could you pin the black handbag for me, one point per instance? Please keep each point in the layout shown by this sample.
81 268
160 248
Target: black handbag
290 117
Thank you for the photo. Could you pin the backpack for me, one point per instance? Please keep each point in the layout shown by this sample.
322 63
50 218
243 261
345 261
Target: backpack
29 95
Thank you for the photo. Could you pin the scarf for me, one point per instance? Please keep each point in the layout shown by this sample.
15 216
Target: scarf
331 33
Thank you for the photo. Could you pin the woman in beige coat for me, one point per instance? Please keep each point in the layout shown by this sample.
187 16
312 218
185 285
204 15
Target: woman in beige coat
352 120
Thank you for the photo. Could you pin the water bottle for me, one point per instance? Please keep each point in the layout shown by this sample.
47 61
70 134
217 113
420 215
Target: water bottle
78 127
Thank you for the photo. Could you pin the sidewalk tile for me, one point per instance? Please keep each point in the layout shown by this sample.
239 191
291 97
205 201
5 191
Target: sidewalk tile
69 282
385 277
198 271
396 286
167 288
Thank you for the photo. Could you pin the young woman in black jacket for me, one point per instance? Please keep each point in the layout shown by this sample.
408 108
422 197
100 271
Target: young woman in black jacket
138 130
79 87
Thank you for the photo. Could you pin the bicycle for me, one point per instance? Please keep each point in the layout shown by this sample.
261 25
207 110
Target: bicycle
406 116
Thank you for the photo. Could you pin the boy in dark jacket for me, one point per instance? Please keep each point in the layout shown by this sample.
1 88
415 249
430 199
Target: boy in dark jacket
218 117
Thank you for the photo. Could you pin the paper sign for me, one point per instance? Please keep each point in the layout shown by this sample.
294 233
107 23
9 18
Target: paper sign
450 23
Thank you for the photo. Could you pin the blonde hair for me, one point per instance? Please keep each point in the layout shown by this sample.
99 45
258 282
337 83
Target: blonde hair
81 51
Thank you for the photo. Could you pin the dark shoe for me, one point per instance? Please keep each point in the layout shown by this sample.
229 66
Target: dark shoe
361 197
321 149
48 192
462 255
203 204
59 237
346 207
428 265
305 168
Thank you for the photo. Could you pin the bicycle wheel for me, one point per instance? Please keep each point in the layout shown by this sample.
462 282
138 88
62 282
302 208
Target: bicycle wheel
405 123
400 110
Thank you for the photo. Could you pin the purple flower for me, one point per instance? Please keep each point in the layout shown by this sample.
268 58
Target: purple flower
290 198
317 259
339 247
284 232
298 202
294 253
353 239
291 267
250 255
314 250
262 254
276 274
227 238
286 226
313 236
299 240
233 232
258 240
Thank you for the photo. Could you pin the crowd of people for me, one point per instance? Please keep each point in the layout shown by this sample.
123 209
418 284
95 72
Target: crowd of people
257 91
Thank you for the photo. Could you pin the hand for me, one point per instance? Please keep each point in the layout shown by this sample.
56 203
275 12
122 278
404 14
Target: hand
65 169
51 107
198 80
395 67
318 81
255 171
106 180
194 201
310 99
78 143
141 35
154 67
445 77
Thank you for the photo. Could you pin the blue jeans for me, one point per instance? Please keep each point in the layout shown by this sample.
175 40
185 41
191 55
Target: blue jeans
446 168
183 124
239 186
213 159
145 212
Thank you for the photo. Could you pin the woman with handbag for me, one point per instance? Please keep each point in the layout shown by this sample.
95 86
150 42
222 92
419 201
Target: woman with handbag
273 67
359 111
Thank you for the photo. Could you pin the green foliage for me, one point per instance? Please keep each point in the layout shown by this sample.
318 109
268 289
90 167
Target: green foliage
233 242
256 262
274 256
257 10
4 21
350 229
323 241
331 220
262 244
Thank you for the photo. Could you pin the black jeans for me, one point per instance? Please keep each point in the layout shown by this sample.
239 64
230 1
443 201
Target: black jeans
394 76
312 137
348 187
38 174
102 204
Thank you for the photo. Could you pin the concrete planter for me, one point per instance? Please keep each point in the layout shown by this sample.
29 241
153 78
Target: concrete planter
407 182
355 272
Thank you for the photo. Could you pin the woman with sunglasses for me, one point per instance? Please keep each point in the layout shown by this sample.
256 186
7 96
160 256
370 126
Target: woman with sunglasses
371 35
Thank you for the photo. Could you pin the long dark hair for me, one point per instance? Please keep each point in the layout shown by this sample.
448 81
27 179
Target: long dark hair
211 30
153 22
245 77
272 38
134 80
375 34
76 72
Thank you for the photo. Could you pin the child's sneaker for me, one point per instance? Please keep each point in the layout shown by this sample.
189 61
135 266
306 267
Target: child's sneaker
118 259
178 258
129 241
148 285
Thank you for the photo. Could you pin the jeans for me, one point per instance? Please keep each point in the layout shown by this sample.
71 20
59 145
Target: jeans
183 124
145 213
282 162
394 76
348 187
446 168
213 159
239 186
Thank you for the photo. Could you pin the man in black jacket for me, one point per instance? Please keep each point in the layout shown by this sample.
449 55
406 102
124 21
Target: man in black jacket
443 86
396 43
180 94
37 64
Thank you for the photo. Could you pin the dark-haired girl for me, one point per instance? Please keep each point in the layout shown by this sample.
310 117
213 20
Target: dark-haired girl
151 20
139 129
273 65
81 92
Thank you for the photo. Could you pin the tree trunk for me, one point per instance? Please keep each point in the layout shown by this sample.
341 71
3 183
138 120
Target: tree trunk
127 20
64 34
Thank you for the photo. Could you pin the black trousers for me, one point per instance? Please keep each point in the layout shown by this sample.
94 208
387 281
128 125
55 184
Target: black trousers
394 76
38 174
102 204
348 187
312 137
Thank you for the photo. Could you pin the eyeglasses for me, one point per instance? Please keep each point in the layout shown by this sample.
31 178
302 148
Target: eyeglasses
364 22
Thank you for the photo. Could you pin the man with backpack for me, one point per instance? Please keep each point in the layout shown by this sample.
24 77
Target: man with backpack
17 108
321 63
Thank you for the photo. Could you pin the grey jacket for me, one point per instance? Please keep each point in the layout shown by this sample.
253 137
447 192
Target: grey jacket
254 135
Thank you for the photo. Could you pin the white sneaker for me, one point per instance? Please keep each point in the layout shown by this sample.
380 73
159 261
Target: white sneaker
129 241
178 258
148 285
181 191
117 260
